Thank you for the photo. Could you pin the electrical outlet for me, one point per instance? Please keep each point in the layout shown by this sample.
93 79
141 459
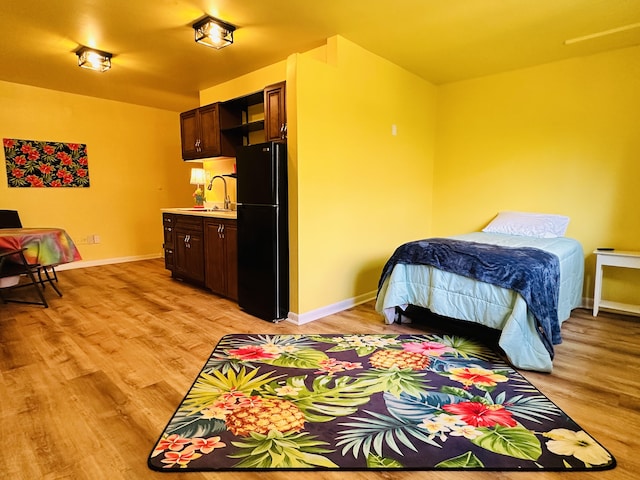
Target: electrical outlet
96 238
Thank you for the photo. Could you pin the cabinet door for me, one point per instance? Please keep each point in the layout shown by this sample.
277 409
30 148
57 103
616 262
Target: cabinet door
209 131
231 258
215 257
195 265
189 255
221 237
189 132
275 112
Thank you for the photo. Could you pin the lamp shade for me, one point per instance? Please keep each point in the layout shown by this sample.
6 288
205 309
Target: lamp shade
198 176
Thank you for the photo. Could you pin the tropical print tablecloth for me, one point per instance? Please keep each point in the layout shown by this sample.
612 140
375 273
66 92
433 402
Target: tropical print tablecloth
46 246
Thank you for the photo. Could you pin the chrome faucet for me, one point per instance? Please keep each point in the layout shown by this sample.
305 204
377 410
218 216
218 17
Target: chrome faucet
227 200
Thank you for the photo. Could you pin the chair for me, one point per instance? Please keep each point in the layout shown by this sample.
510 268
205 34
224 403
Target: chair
14 264
11 219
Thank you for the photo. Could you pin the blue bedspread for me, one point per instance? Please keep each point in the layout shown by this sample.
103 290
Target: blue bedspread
533 273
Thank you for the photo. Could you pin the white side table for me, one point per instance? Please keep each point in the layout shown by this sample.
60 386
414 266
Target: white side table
613 258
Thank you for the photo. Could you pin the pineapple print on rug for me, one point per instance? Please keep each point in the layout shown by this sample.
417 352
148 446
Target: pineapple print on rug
368 402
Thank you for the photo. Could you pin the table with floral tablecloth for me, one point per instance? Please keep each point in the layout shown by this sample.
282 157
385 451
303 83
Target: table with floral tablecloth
48 247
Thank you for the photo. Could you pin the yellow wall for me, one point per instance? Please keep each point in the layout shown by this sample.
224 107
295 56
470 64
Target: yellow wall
558 138
134 161
244 85
361 191
356 190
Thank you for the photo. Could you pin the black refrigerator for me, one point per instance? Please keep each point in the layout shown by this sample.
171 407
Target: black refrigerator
263 231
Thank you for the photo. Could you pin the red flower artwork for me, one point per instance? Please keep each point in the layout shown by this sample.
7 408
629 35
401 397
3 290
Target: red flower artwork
31 163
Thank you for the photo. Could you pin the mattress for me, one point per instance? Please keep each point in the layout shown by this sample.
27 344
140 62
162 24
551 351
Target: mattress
463 298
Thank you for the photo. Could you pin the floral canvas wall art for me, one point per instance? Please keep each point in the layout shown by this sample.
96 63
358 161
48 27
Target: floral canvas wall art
32 163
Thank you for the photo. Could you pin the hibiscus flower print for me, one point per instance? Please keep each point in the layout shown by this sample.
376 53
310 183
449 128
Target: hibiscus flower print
433 349
478 414
477 376
251 352
33 163
577 444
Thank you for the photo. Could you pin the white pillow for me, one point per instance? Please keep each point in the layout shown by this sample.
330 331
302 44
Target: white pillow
528 224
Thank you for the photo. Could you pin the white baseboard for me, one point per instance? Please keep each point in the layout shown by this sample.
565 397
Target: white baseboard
105 261
301 319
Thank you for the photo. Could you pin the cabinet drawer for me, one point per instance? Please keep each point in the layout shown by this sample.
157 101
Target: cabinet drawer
168 258
168 224
188 222
168 236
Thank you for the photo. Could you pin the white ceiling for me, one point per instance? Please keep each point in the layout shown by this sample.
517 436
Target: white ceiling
157 63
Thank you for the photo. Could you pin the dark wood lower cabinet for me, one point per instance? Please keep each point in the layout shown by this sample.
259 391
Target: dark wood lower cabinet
221 253
188 256
202 251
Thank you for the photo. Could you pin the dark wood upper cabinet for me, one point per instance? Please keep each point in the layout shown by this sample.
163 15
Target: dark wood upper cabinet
275 113
200 132
190 133
219 128
210 130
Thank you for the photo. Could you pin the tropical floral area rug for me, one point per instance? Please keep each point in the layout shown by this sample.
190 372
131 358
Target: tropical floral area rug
358 402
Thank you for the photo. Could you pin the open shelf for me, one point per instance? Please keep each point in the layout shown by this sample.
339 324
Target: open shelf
235 120
244 102
245 128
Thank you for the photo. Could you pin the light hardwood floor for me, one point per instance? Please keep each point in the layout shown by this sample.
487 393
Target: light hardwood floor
87 385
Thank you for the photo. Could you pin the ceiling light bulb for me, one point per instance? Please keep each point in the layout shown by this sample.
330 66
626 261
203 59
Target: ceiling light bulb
93 59
213 32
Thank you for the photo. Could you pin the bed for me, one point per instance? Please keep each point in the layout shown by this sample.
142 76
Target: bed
508 310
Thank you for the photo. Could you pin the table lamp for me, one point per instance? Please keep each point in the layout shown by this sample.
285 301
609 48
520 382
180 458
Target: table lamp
198 178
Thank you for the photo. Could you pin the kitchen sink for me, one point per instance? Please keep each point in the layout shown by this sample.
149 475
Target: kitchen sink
205 209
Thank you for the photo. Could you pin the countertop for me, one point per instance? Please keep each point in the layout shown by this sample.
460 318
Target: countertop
201 212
